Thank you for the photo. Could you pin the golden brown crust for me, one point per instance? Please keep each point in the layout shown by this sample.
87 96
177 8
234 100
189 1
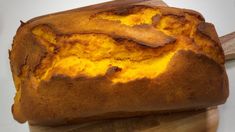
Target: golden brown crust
194 78
172 90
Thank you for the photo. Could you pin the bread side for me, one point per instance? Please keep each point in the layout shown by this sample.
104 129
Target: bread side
115 60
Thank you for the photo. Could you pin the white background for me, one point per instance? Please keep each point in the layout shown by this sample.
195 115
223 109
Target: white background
219 12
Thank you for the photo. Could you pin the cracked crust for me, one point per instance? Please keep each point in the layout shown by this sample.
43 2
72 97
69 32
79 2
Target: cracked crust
50 95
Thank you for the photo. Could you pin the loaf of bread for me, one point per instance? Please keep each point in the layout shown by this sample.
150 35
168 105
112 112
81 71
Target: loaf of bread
117 59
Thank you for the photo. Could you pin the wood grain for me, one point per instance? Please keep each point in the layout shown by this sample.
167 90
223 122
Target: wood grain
228 44
155 2
194 121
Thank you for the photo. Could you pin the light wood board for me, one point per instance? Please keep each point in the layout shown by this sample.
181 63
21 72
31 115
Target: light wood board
196 121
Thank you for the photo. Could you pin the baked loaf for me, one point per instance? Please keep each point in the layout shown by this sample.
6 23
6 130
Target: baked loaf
118 59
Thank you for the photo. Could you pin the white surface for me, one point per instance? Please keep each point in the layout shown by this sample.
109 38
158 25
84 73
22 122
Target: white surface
219 12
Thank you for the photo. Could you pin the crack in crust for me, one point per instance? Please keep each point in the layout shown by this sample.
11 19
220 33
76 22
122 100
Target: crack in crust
100 49
170 21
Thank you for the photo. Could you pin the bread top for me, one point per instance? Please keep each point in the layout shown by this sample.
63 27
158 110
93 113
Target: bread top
122 41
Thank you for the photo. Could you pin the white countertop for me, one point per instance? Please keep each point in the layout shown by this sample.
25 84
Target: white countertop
219 12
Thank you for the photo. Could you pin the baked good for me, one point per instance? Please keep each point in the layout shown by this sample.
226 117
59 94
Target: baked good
118 59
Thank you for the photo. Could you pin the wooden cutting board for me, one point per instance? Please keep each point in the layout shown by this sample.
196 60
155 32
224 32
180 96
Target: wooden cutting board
195 121
228 44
